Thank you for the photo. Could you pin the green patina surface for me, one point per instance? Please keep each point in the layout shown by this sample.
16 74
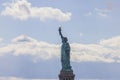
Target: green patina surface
65 53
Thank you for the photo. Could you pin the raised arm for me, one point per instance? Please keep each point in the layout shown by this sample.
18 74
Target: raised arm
60 33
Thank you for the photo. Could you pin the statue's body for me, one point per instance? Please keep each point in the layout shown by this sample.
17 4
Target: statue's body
65 53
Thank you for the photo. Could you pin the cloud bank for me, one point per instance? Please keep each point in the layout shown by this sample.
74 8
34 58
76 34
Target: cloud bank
107 50
23 10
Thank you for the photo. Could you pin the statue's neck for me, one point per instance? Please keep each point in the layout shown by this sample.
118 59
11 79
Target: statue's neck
64 42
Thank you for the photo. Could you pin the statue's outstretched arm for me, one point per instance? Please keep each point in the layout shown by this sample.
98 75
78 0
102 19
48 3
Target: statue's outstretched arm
60 33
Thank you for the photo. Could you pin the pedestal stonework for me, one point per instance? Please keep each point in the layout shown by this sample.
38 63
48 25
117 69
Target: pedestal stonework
66 75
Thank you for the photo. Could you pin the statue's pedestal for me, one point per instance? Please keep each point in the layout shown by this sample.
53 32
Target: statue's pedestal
66 75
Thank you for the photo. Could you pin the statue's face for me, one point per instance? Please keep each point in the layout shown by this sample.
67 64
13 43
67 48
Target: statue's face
65 39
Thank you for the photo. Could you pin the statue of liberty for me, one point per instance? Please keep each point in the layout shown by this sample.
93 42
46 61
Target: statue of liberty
65 53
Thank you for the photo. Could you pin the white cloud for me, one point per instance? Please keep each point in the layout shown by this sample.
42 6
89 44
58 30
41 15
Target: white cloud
22 9
106 50
88 14
112 42
102 12
92 52
23 38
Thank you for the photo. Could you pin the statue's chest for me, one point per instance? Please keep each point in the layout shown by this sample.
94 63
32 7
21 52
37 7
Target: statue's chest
64 45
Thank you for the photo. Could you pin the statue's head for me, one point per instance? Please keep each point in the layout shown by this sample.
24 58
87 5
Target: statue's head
65 39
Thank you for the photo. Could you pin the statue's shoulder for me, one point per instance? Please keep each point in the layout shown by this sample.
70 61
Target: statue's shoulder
67 44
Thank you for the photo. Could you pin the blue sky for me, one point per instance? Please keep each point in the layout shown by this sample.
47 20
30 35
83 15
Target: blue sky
30 43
